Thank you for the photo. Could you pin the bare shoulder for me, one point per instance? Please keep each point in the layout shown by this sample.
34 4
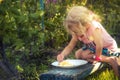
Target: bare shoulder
97 33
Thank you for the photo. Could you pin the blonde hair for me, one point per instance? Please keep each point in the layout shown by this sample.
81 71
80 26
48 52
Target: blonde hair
79 16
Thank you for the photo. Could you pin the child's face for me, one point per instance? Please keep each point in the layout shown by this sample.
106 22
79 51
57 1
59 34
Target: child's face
76 30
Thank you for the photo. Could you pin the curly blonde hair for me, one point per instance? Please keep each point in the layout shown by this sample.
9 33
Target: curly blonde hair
79 16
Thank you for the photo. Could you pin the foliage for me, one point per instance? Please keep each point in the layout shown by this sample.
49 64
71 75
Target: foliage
25 39
109 10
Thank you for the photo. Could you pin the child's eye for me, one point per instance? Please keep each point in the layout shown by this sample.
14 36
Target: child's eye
82 36
75 32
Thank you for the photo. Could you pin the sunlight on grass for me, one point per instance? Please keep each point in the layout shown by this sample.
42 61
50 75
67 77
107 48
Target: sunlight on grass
103 75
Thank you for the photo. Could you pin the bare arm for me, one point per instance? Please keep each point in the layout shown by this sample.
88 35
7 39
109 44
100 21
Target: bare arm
68 48
98 41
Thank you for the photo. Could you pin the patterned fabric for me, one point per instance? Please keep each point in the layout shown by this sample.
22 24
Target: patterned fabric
91 47
105 51
117 54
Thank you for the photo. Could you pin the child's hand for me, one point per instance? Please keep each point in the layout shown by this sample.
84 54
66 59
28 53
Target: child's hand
60 57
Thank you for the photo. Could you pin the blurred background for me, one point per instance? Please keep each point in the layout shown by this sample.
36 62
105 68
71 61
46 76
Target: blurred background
32 34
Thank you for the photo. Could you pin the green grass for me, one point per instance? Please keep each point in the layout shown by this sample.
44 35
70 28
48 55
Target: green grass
104 74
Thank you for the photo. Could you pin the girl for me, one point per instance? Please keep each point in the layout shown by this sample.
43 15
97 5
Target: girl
84 26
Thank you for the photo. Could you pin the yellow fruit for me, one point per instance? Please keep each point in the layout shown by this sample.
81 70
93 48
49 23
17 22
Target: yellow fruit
65 63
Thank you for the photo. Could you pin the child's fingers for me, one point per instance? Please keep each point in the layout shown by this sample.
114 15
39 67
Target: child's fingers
60 57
